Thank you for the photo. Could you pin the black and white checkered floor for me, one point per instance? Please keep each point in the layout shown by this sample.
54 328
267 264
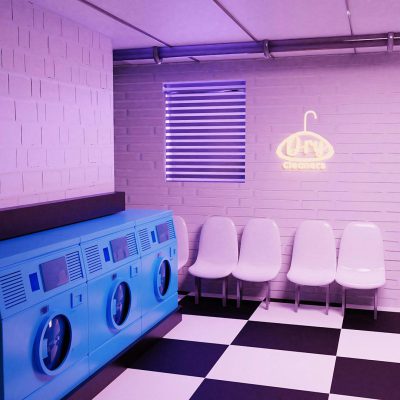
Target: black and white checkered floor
252 353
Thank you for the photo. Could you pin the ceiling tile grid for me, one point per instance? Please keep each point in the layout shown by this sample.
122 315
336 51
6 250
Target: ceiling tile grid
143 23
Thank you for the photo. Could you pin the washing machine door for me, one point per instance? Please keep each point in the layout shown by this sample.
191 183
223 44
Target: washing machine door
162 278
54 343
119 304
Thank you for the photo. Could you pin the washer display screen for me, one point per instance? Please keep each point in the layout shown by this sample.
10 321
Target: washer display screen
54 273
162 233
56 342
121 303
119 248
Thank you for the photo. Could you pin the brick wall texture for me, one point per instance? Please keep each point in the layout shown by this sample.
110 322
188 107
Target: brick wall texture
357 98
56 111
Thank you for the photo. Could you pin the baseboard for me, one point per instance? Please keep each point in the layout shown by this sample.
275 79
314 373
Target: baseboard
308 302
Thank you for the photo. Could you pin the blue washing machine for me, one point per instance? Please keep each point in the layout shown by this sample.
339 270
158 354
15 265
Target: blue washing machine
158 250
43 310
112 263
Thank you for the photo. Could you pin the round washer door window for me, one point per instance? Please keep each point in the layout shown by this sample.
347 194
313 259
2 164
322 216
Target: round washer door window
163 278
56 342
121 303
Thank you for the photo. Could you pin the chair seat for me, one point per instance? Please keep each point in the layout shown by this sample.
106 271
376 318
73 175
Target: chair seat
251 273
209 270
311 277
360 279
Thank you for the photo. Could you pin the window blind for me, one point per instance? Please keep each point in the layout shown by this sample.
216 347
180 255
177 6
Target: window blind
205 131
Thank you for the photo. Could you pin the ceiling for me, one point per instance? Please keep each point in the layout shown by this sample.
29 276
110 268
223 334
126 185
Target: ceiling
146 23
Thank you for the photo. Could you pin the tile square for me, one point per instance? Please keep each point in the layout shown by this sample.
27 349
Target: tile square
308 339
138 384
179 357
221 390
284 369
206 329
212 307
309 315
366 378
182 294
388 322
368 345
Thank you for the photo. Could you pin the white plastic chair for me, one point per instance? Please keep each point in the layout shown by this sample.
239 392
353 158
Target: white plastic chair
182 238
218 253
260 255
313 258
361 262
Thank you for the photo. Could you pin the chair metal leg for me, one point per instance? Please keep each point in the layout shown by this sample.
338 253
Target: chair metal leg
327 300
376 304
343 300
238 294
297 297
267 295
224 291
197 293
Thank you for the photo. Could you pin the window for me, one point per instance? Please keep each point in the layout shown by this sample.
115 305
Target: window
205 131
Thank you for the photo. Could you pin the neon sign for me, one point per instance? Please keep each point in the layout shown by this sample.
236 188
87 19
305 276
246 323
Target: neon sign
305 150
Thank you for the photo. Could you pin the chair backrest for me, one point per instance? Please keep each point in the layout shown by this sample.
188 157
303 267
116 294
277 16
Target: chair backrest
218 241
261 243
182 238
314 246
361 247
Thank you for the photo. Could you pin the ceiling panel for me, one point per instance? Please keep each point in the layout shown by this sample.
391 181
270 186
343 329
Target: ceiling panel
121 35
181 22
290 19
178 22
375 16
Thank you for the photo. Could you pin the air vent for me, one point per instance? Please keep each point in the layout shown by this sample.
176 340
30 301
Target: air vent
171 230
144 239
93 259
74 266
12 289
132 245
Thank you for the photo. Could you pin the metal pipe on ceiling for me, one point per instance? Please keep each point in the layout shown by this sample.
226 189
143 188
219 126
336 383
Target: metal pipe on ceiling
274 46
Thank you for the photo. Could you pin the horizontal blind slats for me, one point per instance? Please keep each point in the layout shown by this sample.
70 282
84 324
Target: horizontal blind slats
201 163
194 118
225 136
208 110
207 150
205 102
216 124
205 177
196 156
202 84
204 97
205 131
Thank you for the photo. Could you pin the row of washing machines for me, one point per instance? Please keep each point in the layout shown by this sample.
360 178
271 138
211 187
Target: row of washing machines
73 298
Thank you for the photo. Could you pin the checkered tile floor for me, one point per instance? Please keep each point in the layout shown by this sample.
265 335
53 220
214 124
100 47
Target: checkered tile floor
252 353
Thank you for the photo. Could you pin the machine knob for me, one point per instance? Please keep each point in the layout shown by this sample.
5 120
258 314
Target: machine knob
44 310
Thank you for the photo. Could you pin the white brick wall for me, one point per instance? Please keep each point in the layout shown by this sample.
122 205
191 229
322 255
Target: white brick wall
357 99
56 99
